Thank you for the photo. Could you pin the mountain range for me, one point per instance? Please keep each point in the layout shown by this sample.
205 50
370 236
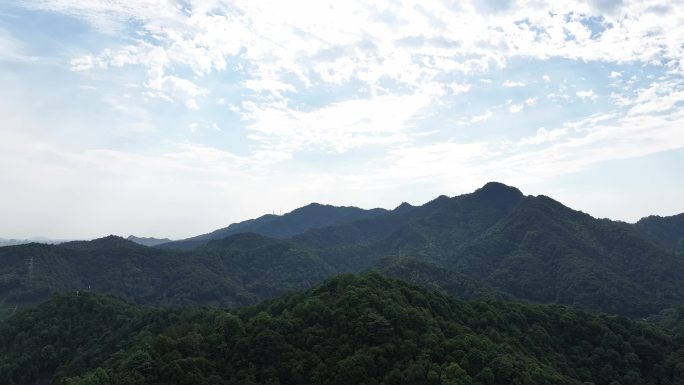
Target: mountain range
12 241
493 243
462 290
298 221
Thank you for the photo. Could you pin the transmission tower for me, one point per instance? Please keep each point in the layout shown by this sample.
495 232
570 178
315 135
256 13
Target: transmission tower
31 265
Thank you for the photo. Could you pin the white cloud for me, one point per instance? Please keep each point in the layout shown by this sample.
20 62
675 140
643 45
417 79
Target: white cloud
268 85
458 88
627 137
558 151
543 136
174 88
110 16
620 99
512 84
194 126
515 108
82 63
336 43
482 117
615 74
657 98
586 95
337 127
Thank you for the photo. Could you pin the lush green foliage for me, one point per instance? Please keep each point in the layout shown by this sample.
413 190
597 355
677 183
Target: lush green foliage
666 231
431 276
350 330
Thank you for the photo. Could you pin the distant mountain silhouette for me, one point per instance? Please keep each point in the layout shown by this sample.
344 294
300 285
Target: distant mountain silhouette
148 241
284 226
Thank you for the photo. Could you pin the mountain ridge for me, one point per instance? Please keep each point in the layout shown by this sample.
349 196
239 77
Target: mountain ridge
295 222
495 242
148 241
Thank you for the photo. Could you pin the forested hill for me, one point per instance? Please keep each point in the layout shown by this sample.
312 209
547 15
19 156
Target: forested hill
350 330
236 271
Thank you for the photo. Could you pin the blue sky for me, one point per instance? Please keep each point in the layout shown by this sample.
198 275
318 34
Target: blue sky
173 118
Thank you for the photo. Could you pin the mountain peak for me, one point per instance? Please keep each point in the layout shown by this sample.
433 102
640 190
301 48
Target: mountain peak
105 242
498 194
109 239
148 241
498 186
403 207
311 206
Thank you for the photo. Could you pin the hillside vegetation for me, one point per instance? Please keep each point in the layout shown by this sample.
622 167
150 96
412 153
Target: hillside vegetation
364 329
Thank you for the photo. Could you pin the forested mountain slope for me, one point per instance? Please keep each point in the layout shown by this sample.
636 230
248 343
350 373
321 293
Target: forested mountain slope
546 252
350 330
238 270
667 231
296 222
529 247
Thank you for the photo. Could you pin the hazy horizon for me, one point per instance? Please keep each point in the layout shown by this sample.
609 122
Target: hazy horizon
39 238
173 118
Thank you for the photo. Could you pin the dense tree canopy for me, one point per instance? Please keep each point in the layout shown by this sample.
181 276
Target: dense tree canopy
350 330
666 231
236 271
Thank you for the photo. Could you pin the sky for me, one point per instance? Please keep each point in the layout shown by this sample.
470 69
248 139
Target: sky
173 118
